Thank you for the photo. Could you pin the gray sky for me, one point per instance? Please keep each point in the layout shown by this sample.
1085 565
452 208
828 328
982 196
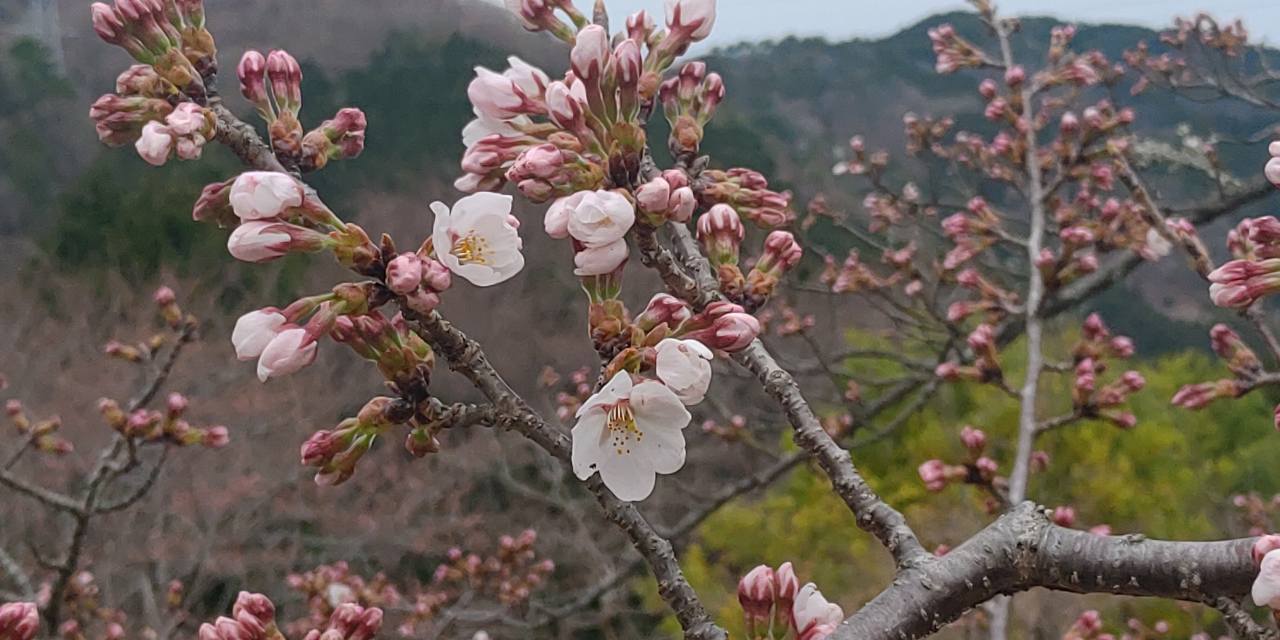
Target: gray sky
843 19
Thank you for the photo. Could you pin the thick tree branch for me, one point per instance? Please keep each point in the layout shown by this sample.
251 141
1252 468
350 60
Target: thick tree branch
1023 549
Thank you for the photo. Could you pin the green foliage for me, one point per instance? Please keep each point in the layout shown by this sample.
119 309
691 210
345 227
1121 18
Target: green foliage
29 85
1171 477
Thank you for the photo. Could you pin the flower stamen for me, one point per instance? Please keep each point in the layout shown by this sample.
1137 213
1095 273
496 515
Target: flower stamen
471 249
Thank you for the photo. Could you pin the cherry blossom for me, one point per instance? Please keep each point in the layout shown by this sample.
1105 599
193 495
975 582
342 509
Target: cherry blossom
477 240
628 432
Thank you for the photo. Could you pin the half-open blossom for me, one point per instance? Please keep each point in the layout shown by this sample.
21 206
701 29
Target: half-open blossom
685 367
629 432
1266 587
289 351
597 218
477 240
258 195
529 79
814 618
254 330
495 95
600 260
155 143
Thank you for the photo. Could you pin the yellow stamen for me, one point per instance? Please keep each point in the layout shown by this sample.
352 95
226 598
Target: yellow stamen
471 249
621 423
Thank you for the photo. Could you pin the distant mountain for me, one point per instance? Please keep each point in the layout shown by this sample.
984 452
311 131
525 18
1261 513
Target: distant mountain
792 105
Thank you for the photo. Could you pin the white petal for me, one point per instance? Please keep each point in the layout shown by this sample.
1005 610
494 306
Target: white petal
628 476
657 407
587 448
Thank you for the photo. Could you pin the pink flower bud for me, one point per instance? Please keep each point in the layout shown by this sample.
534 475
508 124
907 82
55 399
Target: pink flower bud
987 467
495 95
664 308
258 242
164 296
590 53
404 273
1272 171
682 204
286 80
288 352
155 143
252 72
1122 347
1064 516
987 88
254 330
788 585
186 119
259 195
691 19
654 196
216 437
934 474
19 621
730 332
176 403
542 161
781 253
974 439
756 593
1015 75
629 62
436 275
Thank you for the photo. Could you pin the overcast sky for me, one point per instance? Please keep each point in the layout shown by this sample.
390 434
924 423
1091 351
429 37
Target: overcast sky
843 19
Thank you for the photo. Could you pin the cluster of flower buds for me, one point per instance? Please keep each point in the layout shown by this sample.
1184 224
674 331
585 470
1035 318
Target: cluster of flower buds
284 341
952 51
19 621
253 617
972 231
748 192
510 574
992 300
851 276
1257 513
335 452
732 431
573 389
1171 69
167 35
1256 270
720 232
1239 358
274 215
120 119
183 132
1090 354
774 604
985 364
162 426
328 587
689 101
977 469
41 435
784 320
582 133
273 83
